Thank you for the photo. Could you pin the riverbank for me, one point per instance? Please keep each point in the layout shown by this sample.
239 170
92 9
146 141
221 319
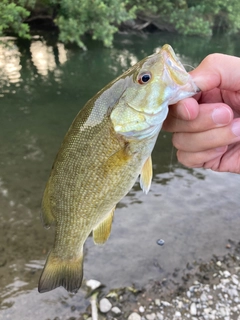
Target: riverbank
207 290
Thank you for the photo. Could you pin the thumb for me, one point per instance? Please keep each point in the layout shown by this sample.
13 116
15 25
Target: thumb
218 71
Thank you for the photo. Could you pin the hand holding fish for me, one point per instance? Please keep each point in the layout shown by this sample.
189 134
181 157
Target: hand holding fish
207 127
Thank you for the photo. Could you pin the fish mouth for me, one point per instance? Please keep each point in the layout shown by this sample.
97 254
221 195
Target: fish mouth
152 114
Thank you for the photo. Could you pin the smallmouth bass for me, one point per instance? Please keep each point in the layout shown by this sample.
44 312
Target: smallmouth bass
106 148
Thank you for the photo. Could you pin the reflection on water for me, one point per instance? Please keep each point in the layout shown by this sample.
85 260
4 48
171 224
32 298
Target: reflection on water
127 59
9 62
43 86
44 57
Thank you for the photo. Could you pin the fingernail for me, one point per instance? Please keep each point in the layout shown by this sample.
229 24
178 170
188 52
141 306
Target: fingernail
236 128
221 115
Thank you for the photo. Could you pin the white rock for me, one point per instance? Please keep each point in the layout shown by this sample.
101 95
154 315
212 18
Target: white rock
203 297
207 310
177 314
219 263
105 305
116 310
233 292
159 316
157 302
166 304
222 312
235 280
226 274
134 316
141 309
151 316
193 309
93 284
225 281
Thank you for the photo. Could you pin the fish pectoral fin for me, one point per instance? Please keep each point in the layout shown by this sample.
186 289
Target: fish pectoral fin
58 272
102 232
146 175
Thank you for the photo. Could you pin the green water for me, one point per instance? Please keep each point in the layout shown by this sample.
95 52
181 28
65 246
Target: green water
42 87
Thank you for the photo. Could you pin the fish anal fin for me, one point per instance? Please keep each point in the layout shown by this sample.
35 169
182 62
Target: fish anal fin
146 175
58 272
47 216
102 232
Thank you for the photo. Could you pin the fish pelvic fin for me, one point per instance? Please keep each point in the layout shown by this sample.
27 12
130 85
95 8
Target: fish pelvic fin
47 217
146 175
58 272
102 232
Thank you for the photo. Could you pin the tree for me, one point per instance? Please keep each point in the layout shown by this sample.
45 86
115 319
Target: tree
102 18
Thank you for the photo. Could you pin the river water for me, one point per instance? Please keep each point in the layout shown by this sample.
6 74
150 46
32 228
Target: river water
43 85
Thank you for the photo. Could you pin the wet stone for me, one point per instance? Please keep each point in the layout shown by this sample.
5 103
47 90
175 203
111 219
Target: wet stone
116 310
193 309
177 314
134 316
141 309
93 284
105 305
157 302
151 316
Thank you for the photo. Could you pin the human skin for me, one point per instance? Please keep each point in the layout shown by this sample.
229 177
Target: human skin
206 128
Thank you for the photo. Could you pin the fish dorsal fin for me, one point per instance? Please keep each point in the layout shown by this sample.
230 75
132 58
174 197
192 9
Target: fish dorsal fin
102 232
146 175
47 217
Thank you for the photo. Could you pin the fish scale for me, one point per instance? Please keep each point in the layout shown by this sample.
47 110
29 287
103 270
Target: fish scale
105 149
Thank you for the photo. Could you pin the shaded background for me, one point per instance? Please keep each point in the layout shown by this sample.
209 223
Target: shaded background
42 87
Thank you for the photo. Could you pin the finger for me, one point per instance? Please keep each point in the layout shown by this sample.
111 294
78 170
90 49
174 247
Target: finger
183 111
217 71
209 116
210 139
201 159
186 109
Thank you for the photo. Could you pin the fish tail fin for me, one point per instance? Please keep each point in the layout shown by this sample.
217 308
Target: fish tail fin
58 272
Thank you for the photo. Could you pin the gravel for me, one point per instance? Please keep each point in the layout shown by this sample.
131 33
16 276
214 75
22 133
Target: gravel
207 291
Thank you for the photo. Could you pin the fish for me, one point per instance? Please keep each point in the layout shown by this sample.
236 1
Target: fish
106 148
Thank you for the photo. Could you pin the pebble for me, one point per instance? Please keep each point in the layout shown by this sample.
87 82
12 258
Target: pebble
141 309
166 304
151 316
93 284
159 316
226 274
134 316
105 305
116 310
157 302
177 314
217 300
193 309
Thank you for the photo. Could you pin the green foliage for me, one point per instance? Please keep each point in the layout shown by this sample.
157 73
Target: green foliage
12 15
102 18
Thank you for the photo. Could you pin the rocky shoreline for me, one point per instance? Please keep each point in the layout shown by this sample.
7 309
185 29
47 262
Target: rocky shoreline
206 291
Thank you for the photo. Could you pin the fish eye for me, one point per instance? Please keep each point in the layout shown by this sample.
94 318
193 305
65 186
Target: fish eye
144 77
